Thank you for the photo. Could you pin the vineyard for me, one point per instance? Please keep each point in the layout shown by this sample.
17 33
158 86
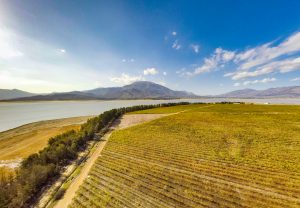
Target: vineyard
221 155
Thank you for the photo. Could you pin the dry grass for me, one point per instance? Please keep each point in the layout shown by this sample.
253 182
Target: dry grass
217 156
22 141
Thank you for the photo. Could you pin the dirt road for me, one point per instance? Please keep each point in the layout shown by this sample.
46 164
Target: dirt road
124 122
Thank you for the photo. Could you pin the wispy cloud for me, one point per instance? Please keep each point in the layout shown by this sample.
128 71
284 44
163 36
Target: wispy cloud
273 57
128 60
266 59
215 61
195 48
295 79
176 45
257 81
150 71
126 79
174 33
282 66
267 52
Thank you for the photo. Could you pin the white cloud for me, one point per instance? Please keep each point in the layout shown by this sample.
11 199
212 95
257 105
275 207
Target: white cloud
126 79
265 59
295 79
150 71
257 81
282 66
174 33
195 48
176 45
128 60
262 81
209 64
165 73
267 52
217 60
184 73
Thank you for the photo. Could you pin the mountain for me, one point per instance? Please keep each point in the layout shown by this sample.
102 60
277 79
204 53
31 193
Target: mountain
6 94
136 90
75 95
279 92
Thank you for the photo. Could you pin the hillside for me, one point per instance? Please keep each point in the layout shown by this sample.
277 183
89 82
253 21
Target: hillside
6 94
280 92
136 90
76 95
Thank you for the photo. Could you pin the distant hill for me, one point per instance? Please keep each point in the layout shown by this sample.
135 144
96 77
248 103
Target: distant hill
76 95
136 90
6 94
279 92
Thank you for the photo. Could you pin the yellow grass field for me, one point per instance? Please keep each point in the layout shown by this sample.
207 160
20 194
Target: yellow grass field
22 141
206 156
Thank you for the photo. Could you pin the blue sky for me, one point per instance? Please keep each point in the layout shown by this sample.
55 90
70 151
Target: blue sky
207 47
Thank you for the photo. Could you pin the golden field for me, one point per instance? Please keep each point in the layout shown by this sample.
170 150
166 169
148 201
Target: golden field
219 155
25 140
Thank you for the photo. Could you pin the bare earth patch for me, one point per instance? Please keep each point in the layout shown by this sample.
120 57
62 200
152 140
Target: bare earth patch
10 163
134 119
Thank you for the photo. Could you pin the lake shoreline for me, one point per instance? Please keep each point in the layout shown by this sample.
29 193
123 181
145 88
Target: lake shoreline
183 99
16 114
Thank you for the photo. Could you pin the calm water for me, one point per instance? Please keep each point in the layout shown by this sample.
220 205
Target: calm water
20 113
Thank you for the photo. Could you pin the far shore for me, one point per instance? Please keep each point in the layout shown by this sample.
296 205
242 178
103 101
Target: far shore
204 98
100 100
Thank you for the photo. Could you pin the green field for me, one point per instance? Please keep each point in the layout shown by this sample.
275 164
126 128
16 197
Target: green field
205 156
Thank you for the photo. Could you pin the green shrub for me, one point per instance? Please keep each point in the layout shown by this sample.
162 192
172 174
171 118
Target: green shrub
59 194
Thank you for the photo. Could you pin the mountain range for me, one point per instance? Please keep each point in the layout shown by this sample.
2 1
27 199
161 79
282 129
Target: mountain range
144 90
136 90
6 94
279 92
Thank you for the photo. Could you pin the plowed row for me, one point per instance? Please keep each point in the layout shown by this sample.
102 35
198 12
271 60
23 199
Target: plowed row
212 157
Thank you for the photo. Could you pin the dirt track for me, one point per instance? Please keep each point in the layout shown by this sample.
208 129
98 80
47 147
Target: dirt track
125 122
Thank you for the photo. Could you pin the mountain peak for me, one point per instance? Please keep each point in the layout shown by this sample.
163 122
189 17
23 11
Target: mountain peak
136 90
6 94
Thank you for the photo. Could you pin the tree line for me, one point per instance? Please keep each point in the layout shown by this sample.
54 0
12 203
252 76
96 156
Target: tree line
44 167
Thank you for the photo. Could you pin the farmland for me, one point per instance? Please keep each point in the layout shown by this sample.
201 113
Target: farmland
205 156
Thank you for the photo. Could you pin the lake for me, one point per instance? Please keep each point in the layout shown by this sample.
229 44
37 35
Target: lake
14 114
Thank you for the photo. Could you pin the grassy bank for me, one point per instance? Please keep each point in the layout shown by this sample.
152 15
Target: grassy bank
25 140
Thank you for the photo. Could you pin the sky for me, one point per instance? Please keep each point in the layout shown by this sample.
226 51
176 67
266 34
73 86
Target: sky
206 47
